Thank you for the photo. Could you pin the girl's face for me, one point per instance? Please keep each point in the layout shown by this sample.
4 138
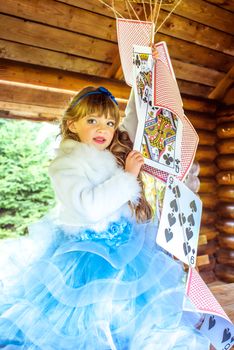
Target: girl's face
94 129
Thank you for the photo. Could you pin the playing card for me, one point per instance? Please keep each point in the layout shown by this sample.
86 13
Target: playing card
216 326
179 225
219 331
159 132
131 32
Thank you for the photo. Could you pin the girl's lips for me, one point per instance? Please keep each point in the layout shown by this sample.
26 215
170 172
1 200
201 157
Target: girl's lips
99 139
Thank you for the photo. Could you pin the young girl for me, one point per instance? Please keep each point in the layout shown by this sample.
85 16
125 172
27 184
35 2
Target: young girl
98 281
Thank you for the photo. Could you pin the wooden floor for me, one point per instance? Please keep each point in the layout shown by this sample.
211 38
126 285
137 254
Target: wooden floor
224 293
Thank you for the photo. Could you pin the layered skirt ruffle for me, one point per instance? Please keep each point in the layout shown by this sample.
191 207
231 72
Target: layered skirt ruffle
87 290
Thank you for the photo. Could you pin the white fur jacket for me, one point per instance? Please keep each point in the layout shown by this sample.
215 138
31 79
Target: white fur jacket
90 187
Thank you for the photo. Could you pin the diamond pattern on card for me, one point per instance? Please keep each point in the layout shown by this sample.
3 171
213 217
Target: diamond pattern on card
166 93
201 297
131 32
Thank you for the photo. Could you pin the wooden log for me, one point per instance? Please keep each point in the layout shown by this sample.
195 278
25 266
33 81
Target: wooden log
204 13
226 146
47 58
223 87
209 201
226 111
209 248
188 52
194 89
225 272
63 16
205 153
208 217
191 31
226 193
229 96
59 79
227 5
226 241
226 210
225 256
209 231
199 105
225 130
206 137
225 119
225 177
225 225
207 185
40 35
201 121
225 162
208 169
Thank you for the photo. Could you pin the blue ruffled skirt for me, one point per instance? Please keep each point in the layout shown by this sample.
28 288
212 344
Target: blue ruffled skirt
88 290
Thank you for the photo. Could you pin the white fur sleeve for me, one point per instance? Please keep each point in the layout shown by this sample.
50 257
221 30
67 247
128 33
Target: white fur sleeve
94 202
130 122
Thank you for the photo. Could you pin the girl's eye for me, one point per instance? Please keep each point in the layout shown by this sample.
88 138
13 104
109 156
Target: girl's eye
91 121
111 124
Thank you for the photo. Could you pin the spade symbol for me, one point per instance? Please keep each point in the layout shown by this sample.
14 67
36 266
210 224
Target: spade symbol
182 219
187 248
168 234
174 205
193 206
189 233
171 219
226 335
191 220
212 322
176 191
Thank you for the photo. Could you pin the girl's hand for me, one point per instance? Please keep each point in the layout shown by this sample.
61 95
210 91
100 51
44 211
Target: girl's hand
155 53
134 162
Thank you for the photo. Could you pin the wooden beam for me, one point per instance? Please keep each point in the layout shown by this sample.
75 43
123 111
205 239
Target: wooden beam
98 7
27 111
47 58
222 87
55 78
196 54
189 72
226 4
204 13
63 16
229 97
39 35
200 34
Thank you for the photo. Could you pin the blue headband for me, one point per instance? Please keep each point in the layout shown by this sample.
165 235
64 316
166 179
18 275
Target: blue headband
99 91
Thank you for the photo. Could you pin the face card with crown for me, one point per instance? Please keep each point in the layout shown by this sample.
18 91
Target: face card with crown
131 32
159 132
179 225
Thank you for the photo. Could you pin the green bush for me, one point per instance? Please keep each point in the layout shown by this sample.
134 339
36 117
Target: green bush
25 189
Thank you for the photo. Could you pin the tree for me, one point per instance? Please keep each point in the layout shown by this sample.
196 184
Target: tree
26 192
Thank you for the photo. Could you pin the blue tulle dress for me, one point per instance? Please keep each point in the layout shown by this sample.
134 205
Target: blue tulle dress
113 289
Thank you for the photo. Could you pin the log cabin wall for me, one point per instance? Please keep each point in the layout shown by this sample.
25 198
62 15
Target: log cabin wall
201 114
225 178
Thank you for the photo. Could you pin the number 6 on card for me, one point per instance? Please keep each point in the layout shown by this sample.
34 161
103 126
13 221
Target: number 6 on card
179 226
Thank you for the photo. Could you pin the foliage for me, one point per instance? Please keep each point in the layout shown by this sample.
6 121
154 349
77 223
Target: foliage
26 192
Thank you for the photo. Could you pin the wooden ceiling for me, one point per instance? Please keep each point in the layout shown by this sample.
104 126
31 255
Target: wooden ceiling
49 49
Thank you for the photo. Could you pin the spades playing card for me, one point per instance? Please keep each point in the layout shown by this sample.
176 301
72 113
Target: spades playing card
180 222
